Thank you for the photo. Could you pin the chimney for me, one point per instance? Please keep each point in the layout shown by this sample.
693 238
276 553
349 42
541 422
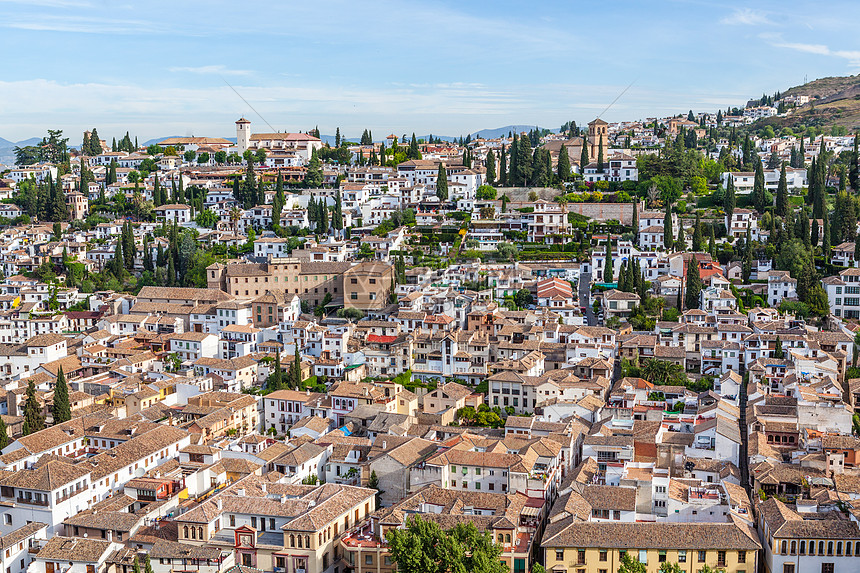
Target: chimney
240 492
263 487
384 444
218 503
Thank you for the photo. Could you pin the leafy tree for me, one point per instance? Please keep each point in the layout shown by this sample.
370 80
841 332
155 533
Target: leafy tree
207 219
442 183
630 565
486 193
61 410
694 284
667 567
423 547
33 420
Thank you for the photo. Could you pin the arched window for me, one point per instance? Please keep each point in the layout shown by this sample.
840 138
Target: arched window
320 538
194 533
821 548
830 548
300 541
292 540
501 538
307 541
200 533
848 548
507 537
839 548
185 531
793 547
803 547
784 547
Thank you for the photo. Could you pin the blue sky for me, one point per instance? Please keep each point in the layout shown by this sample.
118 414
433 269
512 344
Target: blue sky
158 68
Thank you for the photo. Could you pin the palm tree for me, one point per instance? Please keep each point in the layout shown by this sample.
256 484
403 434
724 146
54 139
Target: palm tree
235 216
662 371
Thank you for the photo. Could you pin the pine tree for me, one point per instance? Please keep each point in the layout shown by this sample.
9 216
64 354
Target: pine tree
668 239
33 420
697 234
694 284
442 183
61 410
563 167
491 167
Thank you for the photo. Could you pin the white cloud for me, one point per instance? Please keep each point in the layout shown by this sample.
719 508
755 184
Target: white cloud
210 70
746 17
853 56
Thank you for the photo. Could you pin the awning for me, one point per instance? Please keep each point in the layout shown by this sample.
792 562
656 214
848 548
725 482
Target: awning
530 511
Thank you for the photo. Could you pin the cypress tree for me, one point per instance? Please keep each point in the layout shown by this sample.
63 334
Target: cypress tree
712 244
62 409
512 168
276 380
853 168
442 182
668 238
782 194
503 168
491 167
583 156
337 217
608 268
563 167
815 232
697 234
622 277
758 187
33 420
730 200
825 248
4 434
524 162
171 272
600 155
297 366
694 284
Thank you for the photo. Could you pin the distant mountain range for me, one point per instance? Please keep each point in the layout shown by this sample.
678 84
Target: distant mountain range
7 153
